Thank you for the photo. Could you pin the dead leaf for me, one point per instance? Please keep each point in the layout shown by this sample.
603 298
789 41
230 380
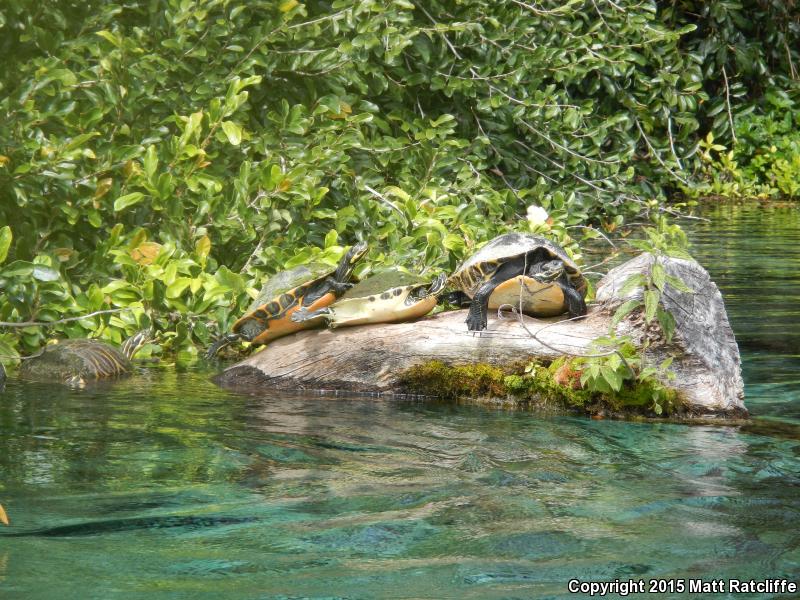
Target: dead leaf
3 516
103 186
146 253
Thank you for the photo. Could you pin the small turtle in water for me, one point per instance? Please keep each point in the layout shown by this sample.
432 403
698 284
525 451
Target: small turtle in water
386 297
77 361
518 266
311 286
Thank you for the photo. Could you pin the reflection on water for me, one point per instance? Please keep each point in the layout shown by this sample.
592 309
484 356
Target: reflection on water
752 251
166 486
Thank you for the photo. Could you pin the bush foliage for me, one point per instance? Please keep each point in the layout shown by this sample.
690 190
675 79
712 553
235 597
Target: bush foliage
163 156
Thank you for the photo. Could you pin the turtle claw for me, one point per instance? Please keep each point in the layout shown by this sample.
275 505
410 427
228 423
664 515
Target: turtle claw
476 322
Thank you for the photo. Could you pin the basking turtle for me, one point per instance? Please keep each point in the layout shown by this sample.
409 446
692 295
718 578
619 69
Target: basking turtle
79 361
312 286
518 266
385 297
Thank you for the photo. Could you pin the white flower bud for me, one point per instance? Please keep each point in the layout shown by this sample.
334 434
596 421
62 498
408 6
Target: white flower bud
537 215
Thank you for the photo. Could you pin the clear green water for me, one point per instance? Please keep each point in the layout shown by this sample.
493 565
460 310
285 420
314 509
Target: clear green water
164 486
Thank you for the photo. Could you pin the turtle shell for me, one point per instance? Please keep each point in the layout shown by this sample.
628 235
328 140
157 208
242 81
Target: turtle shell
281 294
388 296
381 281
287 286
76 361
480 267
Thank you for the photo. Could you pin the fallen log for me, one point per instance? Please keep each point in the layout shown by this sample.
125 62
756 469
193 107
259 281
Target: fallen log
377 358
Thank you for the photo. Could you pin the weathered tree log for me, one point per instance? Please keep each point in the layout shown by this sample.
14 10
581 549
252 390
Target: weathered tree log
373 358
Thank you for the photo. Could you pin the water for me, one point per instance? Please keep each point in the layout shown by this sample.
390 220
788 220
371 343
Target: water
164 486
752 251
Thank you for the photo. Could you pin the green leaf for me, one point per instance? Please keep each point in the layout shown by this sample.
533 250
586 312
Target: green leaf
679 284
331 238
45 273
233 132
612 377
107 35
637 280
80 140
658 275
127 200
623 311
651 299
667 323
5 242
176 288
150 161
203 247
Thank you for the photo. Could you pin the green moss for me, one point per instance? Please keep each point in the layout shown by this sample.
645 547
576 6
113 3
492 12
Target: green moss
435 378
537 384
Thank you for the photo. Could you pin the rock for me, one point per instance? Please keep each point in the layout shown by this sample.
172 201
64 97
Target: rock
373 358
708 368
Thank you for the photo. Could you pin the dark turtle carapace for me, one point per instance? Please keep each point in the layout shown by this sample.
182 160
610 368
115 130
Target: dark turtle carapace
79 361
521 269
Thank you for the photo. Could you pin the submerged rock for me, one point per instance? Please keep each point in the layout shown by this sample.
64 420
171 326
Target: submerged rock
378 358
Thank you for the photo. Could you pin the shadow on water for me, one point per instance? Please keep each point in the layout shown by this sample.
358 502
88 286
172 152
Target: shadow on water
164 485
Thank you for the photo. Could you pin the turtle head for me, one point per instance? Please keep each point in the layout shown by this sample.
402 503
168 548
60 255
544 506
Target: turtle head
345 269
420 292
356 252
135 343
546 271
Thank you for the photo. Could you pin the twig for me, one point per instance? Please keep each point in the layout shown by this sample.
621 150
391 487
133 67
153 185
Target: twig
728 103
656 155
597 231
386 201
67 320
672 143
536 337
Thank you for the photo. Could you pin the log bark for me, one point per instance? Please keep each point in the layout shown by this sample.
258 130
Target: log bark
372 358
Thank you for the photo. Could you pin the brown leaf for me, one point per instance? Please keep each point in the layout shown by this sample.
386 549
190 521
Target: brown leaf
64 254
146 253
3 516
103 186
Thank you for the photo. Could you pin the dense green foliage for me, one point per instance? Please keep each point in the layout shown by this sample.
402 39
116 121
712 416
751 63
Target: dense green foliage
163 156
763 163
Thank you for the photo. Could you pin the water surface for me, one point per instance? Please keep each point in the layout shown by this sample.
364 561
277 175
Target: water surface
164 486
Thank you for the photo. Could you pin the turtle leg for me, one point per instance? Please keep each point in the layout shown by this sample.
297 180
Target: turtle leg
576 305
477 318
302 315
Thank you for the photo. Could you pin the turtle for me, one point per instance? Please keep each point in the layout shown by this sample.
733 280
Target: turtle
388 296
77 361
519 267
311 286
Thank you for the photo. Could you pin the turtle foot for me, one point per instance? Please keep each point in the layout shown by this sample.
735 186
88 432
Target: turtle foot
476 322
